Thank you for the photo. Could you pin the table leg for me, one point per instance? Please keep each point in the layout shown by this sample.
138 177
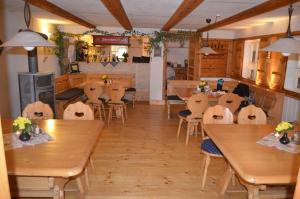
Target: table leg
225 179
59 184
253 191
82 183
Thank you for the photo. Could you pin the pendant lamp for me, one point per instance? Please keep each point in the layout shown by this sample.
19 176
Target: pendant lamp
206 50
28 38
288 44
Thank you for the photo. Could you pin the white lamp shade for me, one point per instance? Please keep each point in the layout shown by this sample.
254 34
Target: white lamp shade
285 45
28 39
207 50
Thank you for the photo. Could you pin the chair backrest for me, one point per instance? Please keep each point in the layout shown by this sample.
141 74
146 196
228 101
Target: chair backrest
217 115
231 101
93 90
197 104
116 92
252 115
38 110
78 111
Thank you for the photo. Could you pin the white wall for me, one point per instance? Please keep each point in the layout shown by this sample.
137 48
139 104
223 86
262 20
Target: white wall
274 27
156 77
177 55
291 109
16 58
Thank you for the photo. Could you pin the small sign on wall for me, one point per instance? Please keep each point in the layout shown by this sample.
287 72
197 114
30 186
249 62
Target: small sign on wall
157 51
110 40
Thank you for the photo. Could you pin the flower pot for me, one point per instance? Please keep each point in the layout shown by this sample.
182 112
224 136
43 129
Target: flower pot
105 81
24 136
284 139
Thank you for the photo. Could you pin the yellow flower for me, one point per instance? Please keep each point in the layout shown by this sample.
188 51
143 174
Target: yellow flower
20 123
284 126
104 77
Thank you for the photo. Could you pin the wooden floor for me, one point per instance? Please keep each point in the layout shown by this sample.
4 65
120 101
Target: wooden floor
144 159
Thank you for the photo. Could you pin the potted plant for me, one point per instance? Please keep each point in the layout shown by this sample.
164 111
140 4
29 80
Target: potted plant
23 126
284 127
201 86
104 78
125 55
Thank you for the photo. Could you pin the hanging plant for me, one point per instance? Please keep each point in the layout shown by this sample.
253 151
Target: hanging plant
156 38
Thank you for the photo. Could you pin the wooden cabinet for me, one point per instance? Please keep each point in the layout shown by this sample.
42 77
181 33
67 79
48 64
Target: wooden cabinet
180 73
193 59
215 65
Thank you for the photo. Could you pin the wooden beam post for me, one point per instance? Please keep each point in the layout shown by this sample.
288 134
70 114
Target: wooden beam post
185 8
257 10
116 9
50 7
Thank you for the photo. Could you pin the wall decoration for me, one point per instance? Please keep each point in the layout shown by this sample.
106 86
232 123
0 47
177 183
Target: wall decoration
74 67
157 51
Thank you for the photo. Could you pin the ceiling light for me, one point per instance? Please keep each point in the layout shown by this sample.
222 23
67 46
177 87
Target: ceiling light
27 38
288 44
206 50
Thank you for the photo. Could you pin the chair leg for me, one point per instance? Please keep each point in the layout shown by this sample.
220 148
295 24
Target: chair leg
169 110
99 111
205 165
188 131
103 111
109 115
86 175
125 109
133 100
122 114
179 127
92 163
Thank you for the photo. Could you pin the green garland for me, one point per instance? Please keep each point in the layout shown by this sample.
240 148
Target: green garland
156 38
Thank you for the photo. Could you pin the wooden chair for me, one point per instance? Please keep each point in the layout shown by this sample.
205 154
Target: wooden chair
297 189
78 111
173 100
131 92
197 104
93 90
38 110
252 115
117 103
231 101
213 115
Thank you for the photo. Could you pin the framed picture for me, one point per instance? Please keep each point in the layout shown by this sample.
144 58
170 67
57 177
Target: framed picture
157 51
74 67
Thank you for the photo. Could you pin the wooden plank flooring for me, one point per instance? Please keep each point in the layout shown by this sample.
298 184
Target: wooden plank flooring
144 159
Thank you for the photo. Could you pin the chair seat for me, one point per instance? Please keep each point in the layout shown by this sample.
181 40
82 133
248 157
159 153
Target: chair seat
209 146
184 113
130 90
69 94
126 101
103 100
173 97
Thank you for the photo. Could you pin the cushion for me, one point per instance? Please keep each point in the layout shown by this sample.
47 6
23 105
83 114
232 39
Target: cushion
103 100
125 100
173 97
130 90
209 146
69 94
185 113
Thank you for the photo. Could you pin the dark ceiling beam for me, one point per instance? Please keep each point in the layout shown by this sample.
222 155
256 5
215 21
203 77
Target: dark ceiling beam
185 8
116 9
50 7
252 12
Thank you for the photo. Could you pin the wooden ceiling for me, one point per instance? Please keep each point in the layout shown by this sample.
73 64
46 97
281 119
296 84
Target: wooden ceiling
257 10
186 7
45 5
116 9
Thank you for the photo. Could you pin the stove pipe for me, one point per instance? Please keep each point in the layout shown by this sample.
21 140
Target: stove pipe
33 61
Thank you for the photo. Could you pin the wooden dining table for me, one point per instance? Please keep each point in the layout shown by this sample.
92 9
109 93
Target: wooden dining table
186 93
53 163
254 164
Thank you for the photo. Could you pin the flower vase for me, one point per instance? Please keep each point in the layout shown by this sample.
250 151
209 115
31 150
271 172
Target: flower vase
284 139
105 81
24 136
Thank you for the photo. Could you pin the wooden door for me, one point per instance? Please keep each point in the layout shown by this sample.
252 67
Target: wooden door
4 187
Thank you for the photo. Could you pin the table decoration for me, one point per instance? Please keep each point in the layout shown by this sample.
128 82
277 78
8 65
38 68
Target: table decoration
271 140
22 126
284 127
201 86
104 78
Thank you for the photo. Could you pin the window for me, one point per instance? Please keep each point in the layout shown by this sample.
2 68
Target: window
292 75
118 51
250 59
